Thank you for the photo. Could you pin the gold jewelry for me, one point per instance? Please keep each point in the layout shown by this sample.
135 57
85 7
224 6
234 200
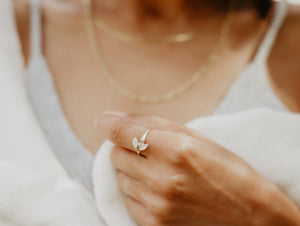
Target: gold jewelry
171 94
140 145
138 39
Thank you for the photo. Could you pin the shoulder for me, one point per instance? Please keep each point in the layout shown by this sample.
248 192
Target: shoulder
288 39
21 13
284 61
21 7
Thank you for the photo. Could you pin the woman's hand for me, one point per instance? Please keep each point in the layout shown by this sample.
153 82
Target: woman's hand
186 179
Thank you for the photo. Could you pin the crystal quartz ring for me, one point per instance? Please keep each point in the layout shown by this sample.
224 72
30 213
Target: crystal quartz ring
140 145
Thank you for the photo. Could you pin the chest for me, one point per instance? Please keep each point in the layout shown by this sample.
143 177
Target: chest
84 92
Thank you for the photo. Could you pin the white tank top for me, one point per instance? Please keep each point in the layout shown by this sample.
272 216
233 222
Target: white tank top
250 90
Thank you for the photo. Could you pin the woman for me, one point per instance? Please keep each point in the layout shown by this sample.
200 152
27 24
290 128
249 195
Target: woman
138 54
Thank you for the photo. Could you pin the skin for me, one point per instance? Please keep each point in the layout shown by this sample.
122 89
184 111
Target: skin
64 37
184 178
81 88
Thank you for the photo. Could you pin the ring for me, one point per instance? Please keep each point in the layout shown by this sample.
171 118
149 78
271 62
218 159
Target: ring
140 146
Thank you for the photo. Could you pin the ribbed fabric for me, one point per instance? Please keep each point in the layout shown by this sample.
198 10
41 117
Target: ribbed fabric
250 90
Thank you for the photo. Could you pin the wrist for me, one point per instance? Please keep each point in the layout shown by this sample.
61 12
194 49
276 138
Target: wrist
273 208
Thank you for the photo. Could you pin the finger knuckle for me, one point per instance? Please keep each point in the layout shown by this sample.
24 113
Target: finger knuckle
162 122
187 145
180 129
128 203
161 209
183 151
150 220
122 182
174 187
154 221
116 132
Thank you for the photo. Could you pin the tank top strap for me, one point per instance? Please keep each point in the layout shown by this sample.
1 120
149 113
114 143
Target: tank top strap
270 36
35 29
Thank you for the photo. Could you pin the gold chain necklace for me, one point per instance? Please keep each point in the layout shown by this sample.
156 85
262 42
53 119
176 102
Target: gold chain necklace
171 94
138 39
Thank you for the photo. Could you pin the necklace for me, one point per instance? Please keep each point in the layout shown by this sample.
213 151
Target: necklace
139 39
171 94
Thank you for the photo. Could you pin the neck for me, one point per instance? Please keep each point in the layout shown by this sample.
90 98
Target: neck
147 16
140 9
153 16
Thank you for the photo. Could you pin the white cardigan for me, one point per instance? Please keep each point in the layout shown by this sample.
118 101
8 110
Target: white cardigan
36 190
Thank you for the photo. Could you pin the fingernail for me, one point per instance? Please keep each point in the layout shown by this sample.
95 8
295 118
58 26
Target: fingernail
98 120
115 113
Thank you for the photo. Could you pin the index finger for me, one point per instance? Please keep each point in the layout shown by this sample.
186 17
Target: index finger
122 131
